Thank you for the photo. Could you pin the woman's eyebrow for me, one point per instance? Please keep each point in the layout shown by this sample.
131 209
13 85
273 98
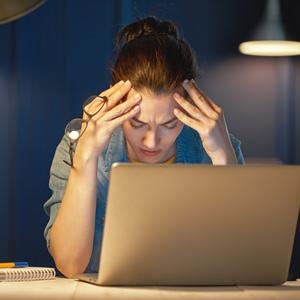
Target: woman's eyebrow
167 122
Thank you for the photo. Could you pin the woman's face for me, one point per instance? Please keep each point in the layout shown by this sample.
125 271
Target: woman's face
155 128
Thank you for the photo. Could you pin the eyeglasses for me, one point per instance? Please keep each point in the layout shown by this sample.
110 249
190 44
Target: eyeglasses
76 127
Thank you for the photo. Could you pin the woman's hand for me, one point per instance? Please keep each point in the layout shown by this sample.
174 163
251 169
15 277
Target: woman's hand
102 125
207 118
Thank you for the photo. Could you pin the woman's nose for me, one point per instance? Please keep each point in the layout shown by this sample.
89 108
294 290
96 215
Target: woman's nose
151 140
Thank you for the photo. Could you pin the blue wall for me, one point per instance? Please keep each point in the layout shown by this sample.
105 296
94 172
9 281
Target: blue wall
49 62
54 58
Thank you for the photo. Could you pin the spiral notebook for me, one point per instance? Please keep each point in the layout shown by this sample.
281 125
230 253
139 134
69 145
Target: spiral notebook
27 274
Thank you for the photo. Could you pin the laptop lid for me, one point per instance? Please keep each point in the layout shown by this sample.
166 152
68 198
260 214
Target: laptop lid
199 225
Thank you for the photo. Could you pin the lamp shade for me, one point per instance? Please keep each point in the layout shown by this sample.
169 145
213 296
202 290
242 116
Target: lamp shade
269 37
11 10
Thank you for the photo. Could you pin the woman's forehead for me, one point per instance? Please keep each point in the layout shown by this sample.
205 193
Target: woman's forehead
155 108
152 100
150 93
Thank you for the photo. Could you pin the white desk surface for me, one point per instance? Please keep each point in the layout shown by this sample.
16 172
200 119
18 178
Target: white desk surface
62 288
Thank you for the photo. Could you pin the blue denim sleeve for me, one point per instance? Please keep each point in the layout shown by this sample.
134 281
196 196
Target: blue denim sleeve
59 173
236 144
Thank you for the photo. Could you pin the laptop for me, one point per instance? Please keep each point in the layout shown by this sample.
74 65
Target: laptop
198 225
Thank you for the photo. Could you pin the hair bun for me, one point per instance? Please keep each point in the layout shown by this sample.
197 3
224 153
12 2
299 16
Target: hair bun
145 27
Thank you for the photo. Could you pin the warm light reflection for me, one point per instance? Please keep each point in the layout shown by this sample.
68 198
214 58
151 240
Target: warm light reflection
270 48
74 135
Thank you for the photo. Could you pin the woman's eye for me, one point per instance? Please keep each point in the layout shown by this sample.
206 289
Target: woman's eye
171 126
136 126
166 126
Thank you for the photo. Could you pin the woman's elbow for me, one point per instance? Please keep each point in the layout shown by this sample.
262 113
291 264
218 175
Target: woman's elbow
70 267
68 264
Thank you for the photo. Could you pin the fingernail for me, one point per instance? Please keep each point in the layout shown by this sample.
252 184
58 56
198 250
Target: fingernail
176 111
176 96
136 108
185 82
127 83
120 82
137 96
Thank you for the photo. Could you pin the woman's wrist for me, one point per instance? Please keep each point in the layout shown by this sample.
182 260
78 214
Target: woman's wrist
84 156
227 157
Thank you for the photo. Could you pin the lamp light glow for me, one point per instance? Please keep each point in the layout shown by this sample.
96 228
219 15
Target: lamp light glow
270 48
269 38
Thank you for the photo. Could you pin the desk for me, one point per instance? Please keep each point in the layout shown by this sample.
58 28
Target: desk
67 289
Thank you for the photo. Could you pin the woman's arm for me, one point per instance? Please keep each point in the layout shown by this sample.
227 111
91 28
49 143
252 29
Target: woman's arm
72 232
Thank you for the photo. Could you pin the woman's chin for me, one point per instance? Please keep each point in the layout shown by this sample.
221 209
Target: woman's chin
150 159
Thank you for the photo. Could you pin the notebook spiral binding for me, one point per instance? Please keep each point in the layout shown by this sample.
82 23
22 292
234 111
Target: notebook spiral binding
27 274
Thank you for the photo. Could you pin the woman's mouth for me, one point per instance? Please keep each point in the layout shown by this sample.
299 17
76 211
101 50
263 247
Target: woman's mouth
150 153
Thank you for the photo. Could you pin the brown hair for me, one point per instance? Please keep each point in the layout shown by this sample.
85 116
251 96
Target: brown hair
153 56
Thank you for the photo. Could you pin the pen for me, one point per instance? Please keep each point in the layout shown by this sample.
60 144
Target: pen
16 264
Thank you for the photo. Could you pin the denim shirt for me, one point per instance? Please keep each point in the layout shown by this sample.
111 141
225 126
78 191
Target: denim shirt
189 149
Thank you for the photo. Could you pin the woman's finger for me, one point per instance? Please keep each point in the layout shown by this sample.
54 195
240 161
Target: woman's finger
92 105
107 92
112 89
120 120
118 94
195 124
194 111
200 100
217 108
122 108
98 103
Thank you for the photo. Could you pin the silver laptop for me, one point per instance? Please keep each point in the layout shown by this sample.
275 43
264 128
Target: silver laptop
198 225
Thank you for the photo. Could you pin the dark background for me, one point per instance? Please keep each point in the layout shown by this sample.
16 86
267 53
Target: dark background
54 58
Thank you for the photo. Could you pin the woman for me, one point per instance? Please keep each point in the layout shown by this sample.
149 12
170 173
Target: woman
153 112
